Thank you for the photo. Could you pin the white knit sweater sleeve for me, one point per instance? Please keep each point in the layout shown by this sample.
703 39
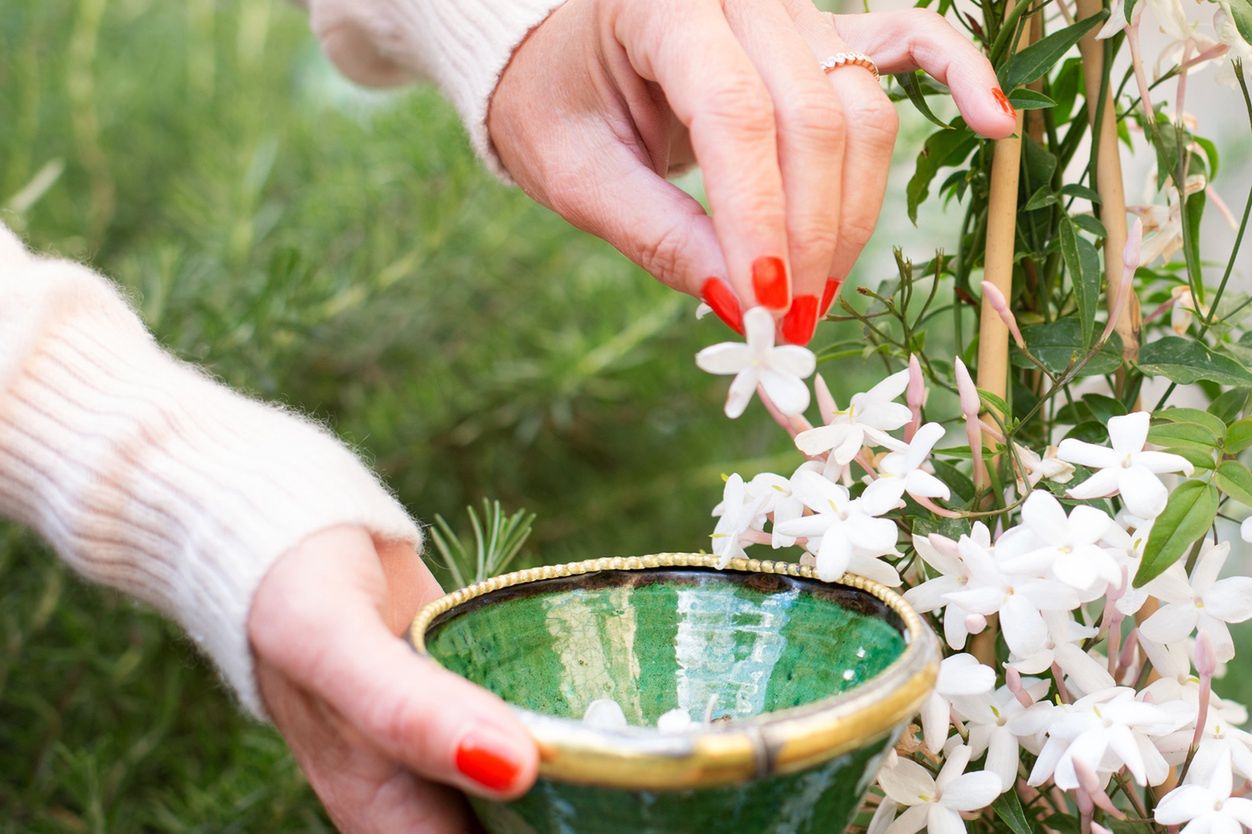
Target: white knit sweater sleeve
463 46
146 475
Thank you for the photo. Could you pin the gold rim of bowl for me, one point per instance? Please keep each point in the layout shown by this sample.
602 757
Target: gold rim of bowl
709 755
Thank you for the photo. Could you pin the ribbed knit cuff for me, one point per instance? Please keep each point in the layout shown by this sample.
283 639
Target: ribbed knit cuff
461 45
147 476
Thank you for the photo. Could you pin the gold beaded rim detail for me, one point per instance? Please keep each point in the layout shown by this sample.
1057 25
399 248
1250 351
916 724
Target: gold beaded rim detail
781 742
849 59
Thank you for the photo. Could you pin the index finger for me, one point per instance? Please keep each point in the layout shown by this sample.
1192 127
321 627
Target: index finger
716 92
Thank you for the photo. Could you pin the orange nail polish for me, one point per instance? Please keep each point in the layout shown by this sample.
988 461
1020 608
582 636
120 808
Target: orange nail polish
828 295
722 301
801 320
486 763
1003 101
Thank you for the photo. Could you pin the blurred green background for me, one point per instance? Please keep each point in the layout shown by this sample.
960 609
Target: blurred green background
344 253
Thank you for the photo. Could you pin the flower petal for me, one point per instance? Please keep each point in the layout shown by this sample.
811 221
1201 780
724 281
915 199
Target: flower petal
919 483
788 393
1171 622
1086 454
1142 491
1102 483
1230 599
972 791
758 327
740 393
1183 803
911 821
724 358
1023 625
1209 565
941 820
1162 462
906 781
794 360
823 438
1128 432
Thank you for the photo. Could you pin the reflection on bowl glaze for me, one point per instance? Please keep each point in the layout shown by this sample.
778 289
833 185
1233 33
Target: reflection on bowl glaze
809 683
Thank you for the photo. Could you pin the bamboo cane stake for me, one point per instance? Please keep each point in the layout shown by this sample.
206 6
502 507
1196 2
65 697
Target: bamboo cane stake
993 335
1109 181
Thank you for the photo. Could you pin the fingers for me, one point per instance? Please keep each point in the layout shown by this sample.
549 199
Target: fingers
316 618
715 91
811 136
364 791
922 39
872 125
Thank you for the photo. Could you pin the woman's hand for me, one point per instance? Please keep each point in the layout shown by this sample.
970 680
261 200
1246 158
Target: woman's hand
378 730
607 97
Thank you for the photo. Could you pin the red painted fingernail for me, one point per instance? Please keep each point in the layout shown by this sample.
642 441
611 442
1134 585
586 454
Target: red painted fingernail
486 763
769 280
801 320
828 295
722 301
1003 101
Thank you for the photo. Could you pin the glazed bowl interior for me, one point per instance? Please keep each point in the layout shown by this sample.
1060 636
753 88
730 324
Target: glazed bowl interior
723 646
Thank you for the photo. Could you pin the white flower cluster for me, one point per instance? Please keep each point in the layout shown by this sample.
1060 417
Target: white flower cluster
1076 702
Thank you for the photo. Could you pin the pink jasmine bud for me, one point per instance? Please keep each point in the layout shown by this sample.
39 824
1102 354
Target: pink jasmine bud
944 545
915 396
1130 262
1013 680
1205 656
1089 783
970 406
975 623
826 406
1001 305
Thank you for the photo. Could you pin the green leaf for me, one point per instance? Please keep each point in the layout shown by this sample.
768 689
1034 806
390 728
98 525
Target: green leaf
1009 809
1213 424
1083 264
1024 98
1235 479
1186 361
1193 212
1210 153
1187 517
908 82
1057 343
1032 62
1043 197
1183 434
1241 12
1073 189
1229 405
1089 223
1104 408
1197 457
996 402
1239 436
945 147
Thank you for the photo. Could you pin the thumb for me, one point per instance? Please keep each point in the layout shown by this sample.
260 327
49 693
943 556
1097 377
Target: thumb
318 619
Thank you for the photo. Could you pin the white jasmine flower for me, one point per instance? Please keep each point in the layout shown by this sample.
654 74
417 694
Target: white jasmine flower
960 674
605 713
1084 672
676 720
1237 48
739 513
780 371
988 718
935 803
1046 468
866 420
779 501
1068 546
1206 807
943 555
1182 310
1205 603
1106 730
841 533
1019 600
1162 225
1125 469
901 472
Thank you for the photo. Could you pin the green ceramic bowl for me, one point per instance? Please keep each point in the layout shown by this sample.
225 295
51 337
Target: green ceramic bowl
810 683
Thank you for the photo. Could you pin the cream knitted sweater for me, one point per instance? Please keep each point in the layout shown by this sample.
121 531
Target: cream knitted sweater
142 472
